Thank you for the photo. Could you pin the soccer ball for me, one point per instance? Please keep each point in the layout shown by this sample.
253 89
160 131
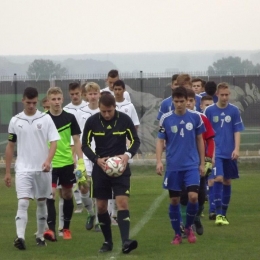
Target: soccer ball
114 167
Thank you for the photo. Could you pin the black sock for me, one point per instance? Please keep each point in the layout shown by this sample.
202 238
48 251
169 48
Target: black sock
51 220
123 221
105 225
67 211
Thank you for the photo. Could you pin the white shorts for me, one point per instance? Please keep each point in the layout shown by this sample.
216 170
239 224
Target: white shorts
89 166
33 185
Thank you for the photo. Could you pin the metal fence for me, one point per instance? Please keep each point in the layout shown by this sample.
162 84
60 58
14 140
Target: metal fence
147 90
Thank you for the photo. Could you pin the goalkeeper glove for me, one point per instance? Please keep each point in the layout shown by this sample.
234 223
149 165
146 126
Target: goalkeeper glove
80 172
208 166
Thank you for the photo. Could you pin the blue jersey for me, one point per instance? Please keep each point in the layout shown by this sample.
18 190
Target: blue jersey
215 97
180 134
225 121
166 106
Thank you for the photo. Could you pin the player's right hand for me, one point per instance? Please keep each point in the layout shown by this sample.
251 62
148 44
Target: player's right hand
159 168
101 162
8 179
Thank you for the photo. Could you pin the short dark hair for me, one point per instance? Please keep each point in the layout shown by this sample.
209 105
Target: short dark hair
197 79
74 85
190 93
119 83
210 88
30 93
206 98
113 74
180 91
174 77
107 100
106 92
83 88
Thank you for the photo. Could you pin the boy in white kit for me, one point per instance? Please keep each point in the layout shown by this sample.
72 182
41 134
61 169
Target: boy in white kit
92 93
31 130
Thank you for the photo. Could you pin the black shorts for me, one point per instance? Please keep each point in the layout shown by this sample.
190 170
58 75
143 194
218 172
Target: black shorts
103 185
63 176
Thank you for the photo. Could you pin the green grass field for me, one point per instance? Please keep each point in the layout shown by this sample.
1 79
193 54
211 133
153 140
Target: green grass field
150 225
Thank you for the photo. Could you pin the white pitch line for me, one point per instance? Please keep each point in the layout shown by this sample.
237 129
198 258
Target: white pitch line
138 227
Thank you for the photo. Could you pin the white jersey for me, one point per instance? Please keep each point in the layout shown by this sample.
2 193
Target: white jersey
83 114
126 94
32 135
70 108
128 108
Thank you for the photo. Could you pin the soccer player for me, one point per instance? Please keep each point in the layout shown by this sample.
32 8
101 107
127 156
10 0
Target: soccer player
210 90
92 93
110 128
209 144
31 130
63 163
182 130
167 104
112 77
75 92
186 81
128 108
227 123
45 104
205 102
198 85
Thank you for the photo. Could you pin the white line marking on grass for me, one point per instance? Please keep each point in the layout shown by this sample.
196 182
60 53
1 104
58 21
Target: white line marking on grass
138 227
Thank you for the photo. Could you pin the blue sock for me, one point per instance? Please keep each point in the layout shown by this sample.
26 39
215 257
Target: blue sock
218 187
211 200
192 209
174 214
225 198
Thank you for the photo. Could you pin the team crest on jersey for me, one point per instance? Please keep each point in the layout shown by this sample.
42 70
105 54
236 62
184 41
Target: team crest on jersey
39 126
215 119
174 129
189 126
227 119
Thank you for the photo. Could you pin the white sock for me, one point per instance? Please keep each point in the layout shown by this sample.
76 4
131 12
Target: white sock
41 216
87 202
96 210
21 217
113 208
61 214
109 207
77 197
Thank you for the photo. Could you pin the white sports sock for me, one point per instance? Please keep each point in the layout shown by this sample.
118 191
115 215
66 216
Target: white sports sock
61 214
96 210
113 208
109 207
41 216
21 217
77 197
87 202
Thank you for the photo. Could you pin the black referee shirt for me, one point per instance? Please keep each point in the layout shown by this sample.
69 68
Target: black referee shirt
110 136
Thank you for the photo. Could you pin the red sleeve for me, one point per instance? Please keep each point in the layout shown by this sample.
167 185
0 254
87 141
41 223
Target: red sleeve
208 137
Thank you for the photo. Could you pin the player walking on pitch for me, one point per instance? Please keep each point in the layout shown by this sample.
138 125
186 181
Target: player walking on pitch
31 130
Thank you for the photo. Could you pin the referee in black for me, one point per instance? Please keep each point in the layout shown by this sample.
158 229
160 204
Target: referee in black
110 128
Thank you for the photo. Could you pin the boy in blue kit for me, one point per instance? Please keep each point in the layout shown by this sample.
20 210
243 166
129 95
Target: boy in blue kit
181 130
227 123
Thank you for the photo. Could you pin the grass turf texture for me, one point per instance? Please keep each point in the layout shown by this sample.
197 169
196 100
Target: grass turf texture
149 225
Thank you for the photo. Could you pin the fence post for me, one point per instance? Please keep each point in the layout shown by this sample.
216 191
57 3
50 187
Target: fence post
16 93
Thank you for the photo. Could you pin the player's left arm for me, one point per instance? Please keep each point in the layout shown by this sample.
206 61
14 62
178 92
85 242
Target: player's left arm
235 153
201 151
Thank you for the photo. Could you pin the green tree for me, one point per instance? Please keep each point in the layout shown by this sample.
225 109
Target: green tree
233 66
45 69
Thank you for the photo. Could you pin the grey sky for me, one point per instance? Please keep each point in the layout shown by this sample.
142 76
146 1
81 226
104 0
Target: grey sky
104 26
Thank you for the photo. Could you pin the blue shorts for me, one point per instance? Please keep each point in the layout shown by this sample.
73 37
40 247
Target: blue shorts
226 168
175 180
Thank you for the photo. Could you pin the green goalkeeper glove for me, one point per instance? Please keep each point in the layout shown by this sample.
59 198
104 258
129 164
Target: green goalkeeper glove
208 166
80 172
